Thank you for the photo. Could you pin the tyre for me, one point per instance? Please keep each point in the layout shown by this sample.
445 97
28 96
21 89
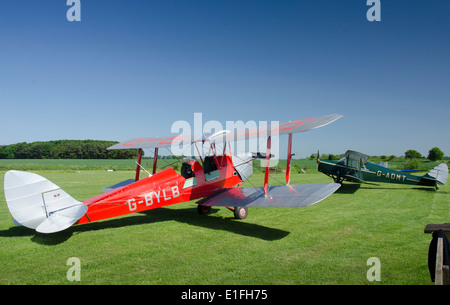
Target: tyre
203 209
240 212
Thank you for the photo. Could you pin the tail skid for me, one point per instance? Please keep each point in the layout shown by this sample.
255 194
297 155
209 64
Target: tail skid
39 204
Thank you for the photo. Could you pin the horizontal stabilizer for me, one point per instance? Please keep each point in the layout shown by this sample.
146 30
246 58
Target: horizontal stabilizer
120 184
39 204
299 195
62 219
412 170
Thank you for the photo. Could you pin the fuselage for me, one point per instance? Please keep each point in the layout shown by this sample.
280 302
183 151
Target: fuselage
164 188
369 172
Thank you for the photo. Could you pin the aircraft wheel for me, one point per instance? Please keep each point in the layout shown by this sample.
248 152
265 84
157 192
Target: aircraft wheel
203 209
240 212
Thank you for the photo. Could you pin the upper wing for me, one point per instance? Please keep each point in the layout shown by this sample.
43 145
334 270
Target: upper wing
151 142
246 134
279 129
299 195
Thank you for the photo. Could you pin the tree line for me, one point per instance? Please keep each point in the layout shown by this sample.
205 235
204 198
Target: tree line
434 154
65 149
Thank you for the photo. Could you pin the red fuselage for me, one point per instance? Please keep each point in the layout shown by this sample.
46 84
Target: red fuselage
162 189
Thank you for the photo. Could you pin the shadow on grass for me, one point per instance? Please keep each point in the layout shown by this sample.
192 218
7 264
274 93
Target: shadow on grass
348 188
188 216
351 188
396 187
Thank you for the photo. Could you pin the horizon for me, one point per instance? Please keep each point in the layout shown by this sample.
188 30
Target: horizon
132 69
163 153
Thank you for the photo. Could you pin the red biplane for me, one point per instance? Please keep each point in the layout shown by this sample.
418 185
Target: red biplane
215 180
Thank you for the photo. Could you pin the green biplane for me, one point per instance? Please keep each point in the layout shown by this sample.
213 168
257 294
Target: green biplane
355 167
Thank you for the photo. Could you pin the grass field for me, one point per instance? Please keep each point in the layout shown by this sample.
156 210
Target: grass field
327 243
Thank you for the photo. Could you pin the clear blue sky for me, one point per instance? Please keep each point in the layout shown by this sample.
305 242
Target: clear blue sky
132 68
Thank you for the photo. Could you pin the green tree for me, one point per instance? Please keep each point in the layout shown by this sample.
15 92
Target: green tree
411 164
64 149
435 154
332 157
412 154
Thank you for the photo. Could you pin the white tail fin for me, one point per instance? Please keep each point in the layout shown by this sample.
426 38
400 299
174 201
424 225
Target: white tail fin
439 173
39 204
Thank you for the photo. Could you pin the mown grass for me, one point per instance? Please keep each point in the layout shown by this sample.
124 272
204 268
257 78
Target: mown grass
76 164
327 243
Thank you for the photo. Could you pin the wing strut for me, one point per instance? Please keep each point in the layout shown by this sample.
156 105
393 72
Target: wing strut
266 175
155 160
138 167
288 165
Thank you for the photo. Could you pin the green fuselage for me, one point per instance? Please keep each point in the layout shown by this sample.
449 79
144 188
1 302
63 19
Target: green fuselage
369 172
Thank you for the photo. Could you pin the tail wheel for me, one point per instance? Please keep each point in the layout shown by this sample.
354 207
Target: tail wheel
203 209
240 212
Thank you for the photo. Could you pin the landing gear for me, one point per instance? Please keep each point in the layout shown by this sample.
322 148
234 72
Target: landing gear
240 212
337 178
203 209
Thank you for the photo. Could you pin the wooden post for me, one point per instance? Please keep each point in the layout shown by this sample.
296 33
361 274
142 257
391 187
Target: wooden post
439 279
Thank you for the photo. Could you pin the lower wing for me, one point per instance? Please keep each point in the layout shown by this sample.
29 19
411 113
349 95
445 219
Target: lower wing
300 195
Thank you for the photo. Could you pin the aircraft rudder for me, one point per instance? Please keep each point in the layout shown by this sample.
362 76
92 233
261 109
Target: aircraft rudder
439 173
37 203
